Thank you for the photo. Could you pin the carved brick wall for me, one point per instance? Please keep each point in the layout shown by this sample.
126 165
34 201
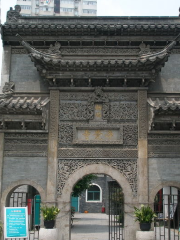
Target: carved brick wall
77 112
78 108
67 167
27 144
142 107
163 145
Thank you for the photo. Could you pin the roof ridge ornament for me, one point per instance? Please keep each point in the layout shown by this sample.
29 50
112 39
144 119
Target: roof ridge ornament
13 15
55 49
165 51
145 49
8 89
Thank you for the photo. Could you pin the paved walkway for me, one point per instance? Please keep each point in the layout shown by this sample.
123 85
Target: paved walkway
90 226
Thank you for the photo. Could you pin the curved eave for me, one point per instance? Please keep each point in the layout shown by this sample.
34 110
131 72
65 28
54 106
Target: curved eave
55 61
50 63
23 103
164 104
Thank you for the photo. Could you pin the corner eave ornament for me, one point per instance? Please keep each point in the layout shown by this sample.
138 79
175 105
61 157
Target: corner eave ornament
13 15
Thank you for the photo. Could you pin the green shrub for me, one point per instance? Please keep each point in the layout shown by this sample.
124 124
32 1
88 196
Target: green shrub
144 214
49 213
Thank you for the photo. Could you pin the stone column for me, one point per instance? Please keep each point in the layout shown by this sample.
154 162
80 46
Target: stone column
6 66
52 146
63 222
142 148
130 226
1 161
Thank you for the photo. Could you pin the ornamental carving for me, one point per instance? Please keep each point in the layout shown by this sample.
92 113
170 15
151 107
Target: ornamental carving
75 111
13 15
116 96
130 135
55 49
142 107
97 153
123 111
8 90
126 167
145 49
65 133
54 118
85 110
91 51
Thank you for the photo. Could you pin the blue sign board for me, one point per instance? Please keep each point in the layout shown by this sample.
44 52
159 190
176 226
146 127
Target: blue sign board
16 222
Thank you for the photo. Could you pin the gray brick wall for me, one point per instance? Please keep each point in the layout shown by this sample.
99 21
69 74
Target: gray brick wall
25 75
163 169
169 78
21 168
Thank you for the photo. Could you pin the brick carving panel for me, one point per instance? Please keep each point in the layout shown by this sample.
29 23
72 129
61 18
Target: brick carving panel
123 111
142 106
97 153
130 135
54 109
67 167
73 111
163 145
25 145
65 133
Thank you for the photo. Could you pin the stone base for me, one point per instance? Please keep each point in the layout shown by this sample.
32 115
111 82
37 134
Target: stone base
145 235
46 234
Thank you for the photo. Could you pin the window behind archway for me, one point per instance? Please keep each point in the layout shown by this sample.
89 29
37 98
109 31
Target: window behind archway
93 193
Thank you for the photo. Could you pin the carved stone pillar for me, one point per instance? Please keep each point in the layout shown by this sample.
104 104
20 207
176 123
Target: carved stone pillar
52 146
6 66
142 147
1 160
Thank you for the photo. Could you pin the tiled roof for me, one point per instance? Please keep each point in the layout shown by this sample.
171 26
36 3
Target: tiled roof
20 103
164 103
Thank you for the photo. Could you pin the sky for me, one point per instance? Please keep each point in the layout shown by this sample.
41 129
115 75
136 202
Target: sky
118 8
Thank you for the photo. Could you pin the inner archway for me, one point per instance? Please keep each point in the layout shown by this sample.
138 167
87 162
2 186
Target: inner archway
65 220
26 196
100 209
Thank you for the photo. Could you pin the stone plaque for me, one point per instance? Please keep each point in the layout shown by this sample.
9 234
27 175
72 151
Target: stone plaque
97 134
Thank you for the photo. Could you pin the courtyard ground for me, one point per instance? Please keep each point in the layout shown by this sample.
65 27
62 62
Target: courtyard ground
90 226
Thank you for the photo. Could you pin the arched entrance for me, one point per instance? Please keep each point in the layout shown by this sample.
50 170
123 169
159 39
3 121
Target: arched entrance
167 209
25 194
63 222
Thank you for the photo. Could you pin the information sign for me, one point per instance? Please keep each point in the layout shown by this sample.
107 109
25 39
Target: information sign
16 222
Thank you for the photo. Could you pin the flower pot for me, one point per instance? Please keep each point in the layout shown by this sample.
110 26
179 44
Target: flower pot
145 226
49 224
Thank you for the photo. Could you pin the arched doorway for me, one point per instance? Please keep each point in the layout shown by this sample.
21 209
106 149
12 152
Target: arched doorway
28 194
101 209
167 209
64 221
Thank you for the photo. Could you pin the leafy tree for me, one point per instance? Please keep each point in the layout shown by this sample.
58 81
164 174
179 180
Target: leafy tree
83 184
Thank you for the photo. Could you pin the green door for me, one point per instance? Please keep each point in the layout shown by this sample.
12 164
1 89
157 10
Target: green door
74 203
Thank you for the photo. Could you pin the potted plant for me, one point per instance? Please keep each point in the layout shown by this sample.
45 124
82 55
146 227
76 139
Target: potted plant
144 215
49 215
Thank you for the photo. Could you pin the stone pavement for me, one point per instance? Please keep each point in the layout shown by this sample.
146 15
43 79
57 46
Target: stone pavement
90 226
